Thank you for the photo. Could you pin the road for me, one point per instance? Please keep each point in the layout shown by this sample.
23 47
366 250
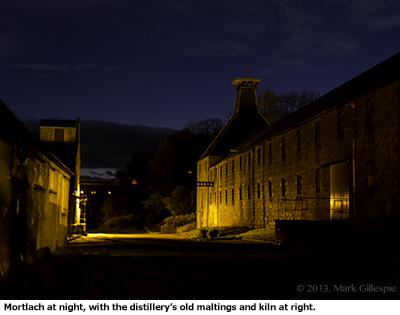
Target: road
135 267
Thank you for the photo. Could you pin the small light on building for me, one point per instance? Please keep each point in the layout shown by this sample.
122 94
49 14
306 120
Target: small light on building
109 192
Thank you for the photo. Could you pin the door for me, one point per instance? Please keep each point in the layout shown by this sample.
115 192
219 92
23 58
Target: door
339 191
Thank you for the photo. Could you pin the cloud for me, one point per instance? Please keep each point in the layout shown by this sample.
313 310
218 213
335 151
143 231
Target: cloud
85 66
103 173
57 67
41 66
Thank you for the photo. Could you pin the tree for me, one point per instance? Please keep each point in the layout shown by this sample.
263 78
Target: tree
276 106
176 156
137 167
182 201
206 127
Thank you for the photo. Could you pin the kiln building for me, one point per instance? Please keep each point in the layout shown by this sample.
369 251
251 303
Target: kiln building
336 159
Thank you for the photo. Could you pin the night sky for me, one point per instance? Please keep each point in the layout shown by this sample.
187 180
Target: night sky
161 63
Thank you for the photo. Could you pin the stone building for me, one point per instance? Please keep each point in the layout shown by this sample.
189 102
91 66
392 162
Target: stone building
334 160
34 196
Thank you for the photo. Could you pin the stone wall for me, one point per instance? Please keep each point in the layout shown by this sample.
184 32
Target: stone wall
34 193
254 186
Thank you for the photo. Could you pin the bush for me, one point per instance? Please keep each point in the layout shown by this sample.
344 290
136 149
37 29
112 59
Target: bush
171 223
182 201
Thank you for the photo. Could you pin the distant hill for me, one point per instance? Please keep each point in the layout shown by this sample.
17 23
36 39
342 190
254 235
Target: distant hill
110 145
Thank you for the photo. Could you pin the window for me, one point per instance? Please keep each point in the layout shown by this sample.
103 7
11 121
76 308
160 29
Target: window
317 132
258 190
248 192
298 140
317 181
59 134
53 179
233 196
370 174
233 166
249 158
369 113
340 124
220 196
258 155
240 163
240 193
298 184
283 146
38 175
283 187
226 196
269 188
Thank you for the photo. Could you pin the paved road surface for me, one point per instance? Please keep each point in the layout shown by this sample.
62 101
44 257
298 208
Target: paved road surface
149 267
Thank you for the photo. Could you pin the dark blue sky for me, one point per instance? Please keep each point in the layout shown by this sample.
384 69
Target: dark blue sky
161 63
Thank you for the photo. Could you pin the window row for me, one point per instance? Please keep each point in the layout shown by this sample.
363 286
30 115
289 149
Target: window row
246 191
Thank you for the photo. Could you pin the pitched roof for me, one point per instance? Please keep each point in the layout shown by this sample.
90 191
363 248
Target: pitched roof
378 76
244 121
58 123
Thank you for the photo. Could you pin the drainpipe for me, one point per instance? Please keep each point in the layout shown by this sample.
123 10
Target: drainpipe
252 193
353 162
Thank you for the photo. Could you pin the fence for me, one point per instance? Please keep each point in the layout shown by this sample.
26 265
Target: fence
313 208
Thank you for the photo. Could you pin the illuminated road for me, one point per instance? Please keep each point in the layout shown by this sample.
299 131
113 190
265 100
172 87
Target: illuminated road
155 267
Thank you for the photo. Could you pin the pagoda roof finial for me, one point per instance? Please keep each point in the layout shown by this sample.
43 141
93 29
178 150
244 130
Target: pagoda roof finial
245 69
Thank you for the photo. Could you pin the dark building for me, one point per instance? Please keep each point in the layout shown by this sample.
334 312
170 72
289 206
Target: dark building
34 196
334 160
